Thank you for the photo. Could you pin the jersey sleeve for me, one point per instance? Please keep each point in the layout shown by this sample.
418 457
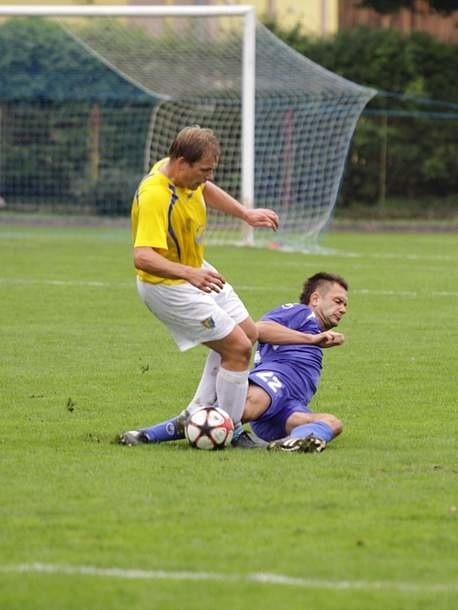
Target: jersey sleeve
152 204
295 316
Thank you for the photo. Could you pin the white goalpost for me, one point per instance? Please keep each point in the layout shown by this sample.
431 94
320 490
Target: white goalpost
138 74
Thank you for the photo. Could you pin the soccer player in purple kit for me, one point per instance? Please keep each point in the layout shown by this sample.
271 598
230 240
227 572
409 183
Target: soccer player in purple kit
285 376
288 366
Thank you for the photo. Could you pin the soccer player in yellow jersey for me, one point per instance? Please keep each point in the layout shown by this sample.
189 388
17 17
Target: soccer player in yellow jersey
175 282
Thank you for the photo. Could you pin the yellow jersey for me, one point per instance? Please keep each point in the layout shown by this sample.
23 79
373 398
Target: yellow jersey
170 219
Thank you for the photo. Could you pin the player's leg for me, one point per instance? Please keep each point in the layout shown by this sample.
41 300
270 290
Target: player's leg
228 390
224 378
222 382
206 390
308 432
231 383
322 425
266 407
234 348
169 430
256 404
192 317
286 424
169 305
205 394
225 381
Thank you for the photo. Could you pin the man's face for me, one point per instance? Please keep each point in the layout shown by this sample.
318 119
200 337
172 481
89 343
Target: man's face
191 176
329 303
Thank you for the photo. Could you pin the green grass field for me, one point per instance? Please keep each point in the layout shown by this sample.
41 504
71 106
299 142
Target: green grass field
370 524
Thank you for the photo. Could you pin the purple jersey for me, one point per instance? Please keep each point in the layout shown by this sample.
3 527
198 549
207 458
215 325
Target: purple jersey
297 366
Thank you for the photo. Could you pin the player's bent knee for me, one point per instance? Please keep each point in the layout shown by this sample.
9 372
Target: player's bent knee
334 423
242 348
235 349
331 420
245 354
237 355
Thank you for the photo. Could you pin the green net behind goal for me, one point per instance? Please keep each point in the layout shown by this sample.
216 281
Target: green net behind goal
88 104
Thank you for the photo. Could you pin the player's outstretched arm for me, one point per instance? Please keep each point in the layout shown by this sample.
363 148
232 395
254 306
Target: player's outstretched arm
218 199
277 334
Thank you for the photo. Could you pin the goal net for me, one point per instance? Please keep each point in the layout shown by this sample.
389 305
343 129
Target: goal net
89 103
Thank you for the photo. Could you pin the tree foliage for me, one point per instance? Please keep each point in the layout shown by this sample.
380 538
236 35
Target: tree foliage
49 87
409 131
444 7
39 61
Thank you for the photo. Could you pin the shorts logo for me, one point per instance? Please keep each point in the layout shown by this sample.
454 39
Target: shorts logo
208 323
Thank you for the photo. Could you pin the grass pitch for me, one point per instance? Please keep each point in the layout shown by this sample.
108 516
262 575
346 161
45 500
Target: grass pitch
370 524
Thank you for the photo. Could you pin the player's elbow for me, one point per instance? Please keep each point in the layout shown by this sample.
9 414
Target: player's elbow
137 258
141 258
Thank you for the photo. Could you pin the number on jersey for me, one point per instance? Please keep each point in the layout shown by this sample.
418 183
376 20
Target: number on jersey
271 380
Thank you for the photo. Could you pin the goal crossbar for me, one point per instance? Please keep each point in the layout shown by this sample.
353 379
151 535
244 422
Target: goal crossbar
116 10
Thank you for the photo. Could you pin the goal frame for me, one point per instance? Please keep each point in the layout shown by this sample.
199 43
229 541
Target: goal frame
248 95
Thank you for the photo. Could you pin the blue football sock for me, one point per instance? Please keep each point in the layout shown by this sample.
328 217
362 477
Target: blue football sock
165 431
319 429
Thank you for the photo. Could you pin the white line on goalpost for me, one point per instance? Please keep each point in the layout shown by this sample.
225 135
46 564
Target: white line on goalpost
248 13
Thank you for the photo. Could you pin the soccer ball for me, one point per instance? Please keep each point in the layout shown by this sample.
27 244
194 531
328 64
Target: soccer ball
209 428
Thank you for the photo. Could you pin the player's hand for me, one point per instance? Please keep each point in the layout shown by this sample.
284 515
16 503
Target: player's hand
206 279
329 339
262 217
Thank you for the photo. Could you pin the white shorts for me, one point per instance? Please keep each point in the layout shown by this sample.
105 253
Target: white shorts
192 316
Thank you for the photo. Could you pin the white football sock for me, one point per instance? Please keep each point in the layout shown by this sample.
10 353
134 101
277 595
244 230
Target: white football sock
231 391
206 390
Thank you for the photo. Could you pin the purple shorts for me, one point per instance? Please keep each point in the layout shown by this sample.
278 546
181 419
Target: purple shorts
271 425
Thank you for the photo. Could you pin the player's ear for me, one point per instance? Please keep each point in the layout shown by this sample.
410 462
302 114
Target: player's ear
314 298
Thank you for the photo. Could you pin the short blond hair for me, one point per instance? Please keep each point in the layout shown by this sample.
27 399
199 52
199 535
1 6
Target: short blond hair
193 142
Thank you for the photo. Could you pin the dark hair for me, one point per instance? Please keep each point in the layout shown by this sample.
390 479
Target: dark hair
193 142
316 281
